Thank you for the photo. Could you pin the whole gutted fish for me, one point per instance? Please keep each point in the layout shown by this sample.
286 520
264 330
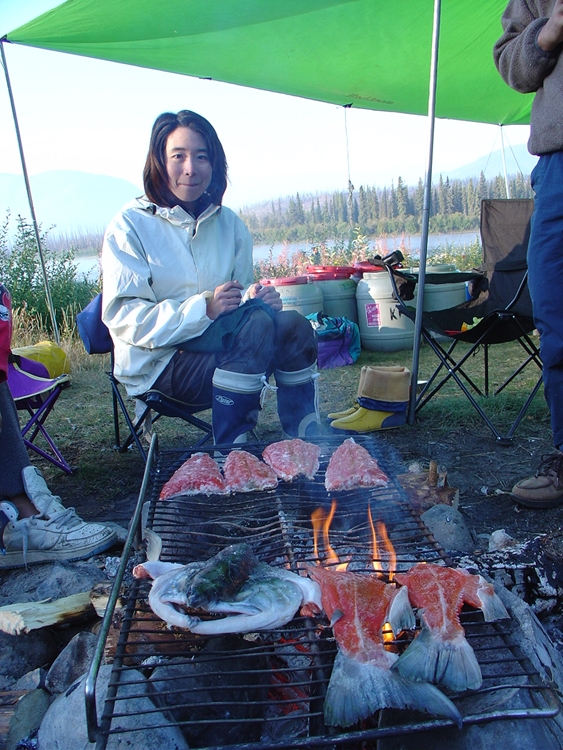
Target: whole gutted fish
362 682
441 653
252 594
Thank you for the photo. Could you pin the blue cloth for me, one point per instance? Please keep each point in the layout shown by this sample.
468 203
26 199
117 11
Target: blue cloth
545 263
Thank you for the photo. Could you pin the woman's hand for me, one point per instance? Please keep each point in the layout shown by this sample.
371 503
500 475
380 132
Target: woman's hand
226 298
268 294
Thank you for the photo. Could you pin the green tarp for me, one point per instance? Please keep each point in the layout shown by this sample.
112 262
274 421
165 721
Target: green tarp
373 54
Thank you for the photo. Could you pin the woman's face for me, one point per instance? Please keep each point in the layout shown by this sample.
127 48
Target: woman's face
187 165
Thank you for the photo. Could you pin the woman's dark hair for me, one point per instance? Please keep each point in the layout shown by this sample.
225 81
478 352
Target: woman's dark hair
155 176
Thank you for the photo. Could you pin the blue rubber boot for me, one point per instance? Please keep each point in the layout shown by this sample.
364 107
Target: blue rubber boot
298 403
236 403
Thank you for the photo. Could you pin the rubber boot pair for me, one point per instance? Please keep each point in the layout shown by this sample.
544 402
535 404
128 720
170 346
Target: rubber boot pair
238 397
382 403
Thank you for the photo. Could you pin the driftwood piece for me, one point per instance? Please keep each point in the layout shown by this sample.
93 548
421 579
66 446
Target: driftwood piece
428 488
22 617
21 713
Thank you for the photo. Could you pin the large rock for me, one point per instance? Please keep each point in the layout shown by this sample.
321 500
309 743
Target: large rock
73 661
22 653
64 725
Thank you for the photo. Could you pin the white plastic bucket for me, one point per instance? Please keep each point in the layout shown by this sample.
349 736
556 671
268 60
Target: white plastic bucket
298 294
382 328
339 298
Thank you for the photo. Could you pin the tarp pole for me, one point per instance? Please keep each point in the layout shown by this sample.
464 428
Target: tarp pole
504 163
30 198
425 212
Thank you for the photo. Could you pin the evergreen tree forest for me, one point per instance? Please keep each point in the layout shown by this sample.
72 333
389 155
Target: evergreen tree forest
395 210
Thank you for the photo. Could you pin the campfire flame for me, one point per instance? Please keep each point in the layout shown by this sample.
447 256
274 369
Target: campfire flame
382 548
388 551
321 521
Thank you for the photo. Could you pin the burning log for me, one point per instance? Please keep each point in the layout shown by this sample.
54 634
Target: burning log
428 488
22 617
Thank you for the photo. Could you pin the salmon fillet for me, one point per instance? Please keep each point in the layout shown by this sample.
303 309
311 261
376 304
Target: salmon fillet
292 458
199 475
351 466
244 472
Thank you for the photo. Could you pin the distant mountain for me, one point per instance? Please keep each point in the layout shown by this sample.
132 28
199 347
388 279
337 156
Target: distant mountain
518 159
80 202
69 201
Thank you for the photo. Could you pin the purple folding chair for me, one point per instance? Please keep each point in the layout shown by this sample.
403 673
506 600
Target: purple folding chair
35 392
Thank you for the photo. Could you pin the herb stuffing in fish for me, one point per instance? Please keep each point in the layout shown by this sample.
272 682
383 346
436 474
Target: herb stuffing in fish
253 596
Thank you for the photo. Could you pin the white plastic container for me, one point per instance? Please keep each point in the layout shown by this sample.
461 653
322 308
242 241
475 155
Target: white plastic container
339 298
298 293
382 328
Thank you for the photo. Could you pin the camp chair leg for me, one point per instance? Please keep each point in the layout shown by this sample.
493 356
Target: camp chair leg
35 426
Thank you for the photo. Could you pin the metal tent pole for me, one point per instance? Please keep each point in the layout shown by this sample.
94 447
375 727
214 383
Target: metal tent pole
30 198
425 212
504 163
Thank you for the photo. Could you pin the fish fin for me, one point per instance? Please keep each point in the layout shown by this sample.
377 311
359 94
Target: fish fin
154 544
452 664
491 604
154 568
358 689
401 615
336 615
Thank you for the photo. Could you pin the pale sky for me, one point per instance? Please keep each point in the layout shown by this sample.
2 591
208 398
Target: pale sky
94 116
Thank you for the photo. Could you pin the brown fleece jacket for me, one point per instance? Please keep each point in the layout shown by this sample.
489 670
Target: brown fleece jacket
526 67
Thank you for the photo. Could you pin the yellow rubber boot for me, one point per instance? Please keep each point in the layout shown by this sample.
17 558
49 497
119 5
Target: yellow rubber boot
369 420
382 401
363 373
347 412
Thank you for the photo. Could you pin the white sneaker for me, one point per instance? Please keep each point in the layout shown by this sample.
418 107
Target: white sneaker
63 536
40 495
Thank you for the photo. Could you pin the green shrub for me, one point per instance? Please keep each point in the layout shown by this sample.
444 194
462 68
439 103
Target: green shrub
21 271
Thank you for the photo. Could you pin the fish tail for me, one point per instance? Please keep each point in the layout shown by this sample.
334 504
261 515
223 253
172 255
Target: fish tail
491 604
357 690
452 664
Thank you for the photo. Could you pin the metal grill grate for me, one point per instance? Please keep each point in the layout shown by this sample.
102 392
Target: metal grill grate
266 690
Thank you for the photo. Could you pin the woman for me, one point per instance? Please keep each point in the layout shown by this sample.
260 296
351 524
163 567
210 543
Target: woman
179 299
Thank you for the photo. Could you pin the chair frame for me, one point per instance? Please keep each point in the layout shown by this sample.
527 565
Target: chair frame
479 338
153 400
39 406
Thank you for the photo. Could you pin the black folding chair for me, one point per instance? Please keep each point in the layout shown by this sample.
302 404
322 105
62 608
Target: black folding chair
97 340
499 311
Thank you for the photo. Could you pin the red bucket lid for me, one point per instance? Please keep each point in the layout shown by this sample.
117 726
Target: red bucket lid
285 281
366 267
342 271
328 276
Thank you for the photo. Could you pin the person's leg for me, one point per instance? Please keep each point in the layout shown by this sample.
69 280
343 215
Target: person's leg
295 371
545 264
34 525
231 381
240 378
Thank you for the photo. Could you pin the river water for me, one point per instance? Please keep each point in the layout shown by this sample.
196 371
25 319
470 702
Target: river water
89 265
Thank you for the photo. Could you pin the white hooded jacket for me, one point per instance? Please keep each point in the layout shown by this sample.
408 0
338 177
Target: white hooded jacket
159 266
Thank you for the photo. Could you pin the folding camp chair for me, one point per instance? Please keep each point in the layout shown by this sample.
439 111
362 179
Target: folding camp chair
96 339
36 393
499 311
